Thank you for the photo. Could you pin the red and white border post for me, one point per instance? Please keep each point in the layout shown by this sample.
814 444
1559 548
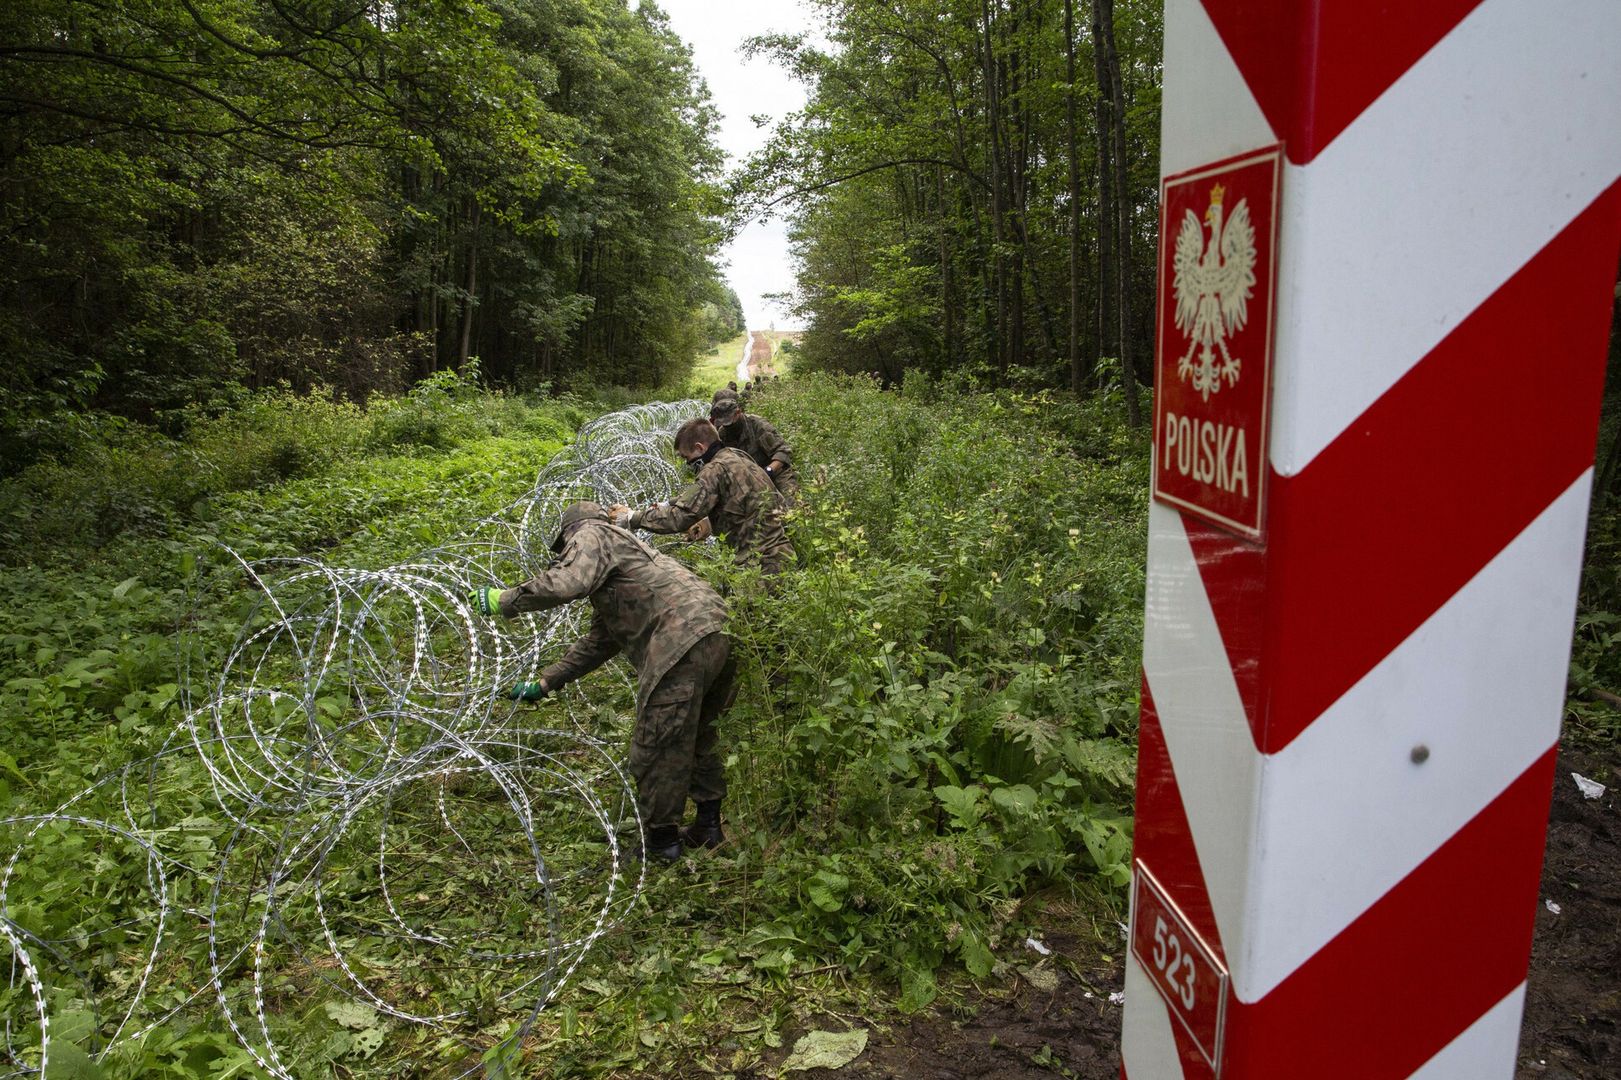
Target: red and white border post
1376 407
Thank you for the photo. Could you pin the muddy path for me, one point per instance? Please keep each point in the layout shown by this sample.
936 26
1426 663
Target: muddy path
759 357
743 361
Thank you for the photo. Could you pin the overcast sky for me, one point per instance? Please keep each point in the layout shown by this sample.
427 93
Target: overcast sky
715 29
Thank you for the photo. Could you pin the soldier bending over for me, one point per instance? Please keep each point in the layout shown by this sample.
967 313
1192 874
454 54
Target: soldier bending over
732 491
669 623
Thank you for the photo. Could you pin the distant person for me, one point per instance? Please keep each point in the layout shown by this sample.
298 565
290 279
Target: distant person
670 625
736 495
756 437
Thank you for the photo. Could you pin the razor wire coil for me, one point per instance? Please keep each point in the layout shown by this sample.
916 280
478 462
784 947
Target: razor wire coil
359 752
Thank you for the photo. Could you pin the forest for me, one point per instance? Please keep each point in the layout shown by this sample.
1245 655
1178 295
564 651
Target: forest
973 188
203 196
315 313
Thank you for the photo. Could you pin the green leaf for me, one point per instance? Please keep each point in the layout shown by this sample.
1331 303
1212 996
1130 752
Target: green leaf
827 890
354 1015
976 955
918 986
961 803
9 764
368 1041
1017 800
70 1062
73 1026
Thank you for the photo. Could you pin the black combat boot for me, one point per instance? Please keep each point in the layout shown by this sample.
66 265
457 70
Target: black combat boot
661 844
705 829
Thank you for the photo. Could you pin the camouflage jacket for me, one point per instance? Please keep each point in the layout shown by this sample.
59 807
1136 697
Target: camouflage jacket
643 603
740 502
759 440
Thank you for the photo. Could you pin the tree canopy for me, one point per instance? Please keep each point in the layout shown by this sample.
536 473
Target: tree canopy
938 175
354 193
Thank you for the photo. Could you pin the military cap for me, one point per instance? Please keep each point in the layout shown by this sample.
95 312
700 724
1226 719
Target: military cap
584 510
725 404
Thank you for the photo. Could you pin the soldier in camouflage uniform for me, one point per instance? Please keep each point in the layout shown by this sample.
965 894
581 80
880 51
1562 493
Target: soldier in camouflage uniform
755 436
732 491
669 623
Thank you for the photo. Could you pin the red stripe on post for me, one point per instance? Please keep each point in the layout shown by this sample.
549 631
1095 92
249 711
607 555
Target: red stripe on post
1420 966
1314 68
1162 839
1421 491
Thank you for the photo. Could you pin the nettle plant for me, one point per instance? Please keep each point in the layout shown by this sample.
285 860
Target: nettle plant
947 698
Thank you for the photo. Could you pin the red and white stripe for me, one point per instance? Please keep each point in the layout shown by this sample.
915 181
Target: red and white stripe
1448 240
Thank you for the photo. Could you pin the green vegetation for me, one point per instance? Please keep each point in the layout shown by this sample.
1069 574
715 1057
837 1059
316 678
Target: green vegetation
957 183
717 367
201 194
1593 709
935 721
931 754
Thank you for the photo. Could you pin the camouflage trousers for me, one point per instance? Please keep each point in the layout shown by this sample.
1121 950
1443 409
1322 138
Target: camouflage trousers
674 750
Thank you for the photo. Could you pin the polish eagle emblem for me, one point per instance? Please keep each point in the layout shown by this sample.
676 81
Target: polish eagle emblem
1213 282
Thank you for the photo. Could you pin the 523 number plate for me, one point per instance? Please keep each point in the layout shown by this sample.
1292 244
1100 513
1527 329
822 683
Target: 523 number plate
1185 970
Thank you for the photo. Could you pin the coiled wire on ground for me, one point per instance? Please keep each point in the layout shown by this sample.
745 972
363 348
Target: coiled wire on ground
377 817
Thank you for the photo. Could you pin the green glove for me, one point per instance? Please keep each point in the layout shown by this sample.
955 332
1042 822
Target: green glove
485 601
528 691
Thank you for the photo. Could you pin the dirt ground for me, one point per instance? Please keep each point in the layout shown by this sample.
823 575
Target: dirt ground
1572 1025
1571 1031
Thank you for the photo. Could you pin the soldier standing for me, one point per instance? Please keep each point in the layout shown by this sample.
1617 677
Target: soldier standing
670 625
756 437
735 494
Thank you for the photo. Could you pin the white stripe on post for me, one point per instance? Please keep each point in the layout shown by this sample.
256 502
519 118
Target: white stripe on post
1484 1052
1207 111
1463 170
1448 184
1147 1042
1346 814
1218 770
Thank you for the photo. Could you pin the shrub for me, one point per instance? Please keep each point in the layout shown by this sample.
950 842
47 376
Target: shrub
947 689
98 477
276 436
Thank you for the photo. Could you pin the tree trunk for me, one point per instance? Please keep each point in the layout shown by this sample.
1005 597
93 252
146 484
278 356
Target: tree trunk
1018 153
470 303
948 312
1077 376
1108 63
1105 207
993 115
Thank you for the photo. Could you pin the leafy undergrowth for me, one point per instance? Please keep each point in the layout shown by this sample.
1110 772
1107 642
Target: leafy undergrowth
1593 704
935 720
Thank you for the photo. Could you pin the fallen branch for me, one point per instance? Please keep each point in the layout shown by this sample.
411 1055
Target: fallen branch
1605 696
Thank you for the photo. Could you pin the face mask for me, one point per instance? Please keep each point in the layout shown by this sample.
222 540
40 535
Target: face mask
698 463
